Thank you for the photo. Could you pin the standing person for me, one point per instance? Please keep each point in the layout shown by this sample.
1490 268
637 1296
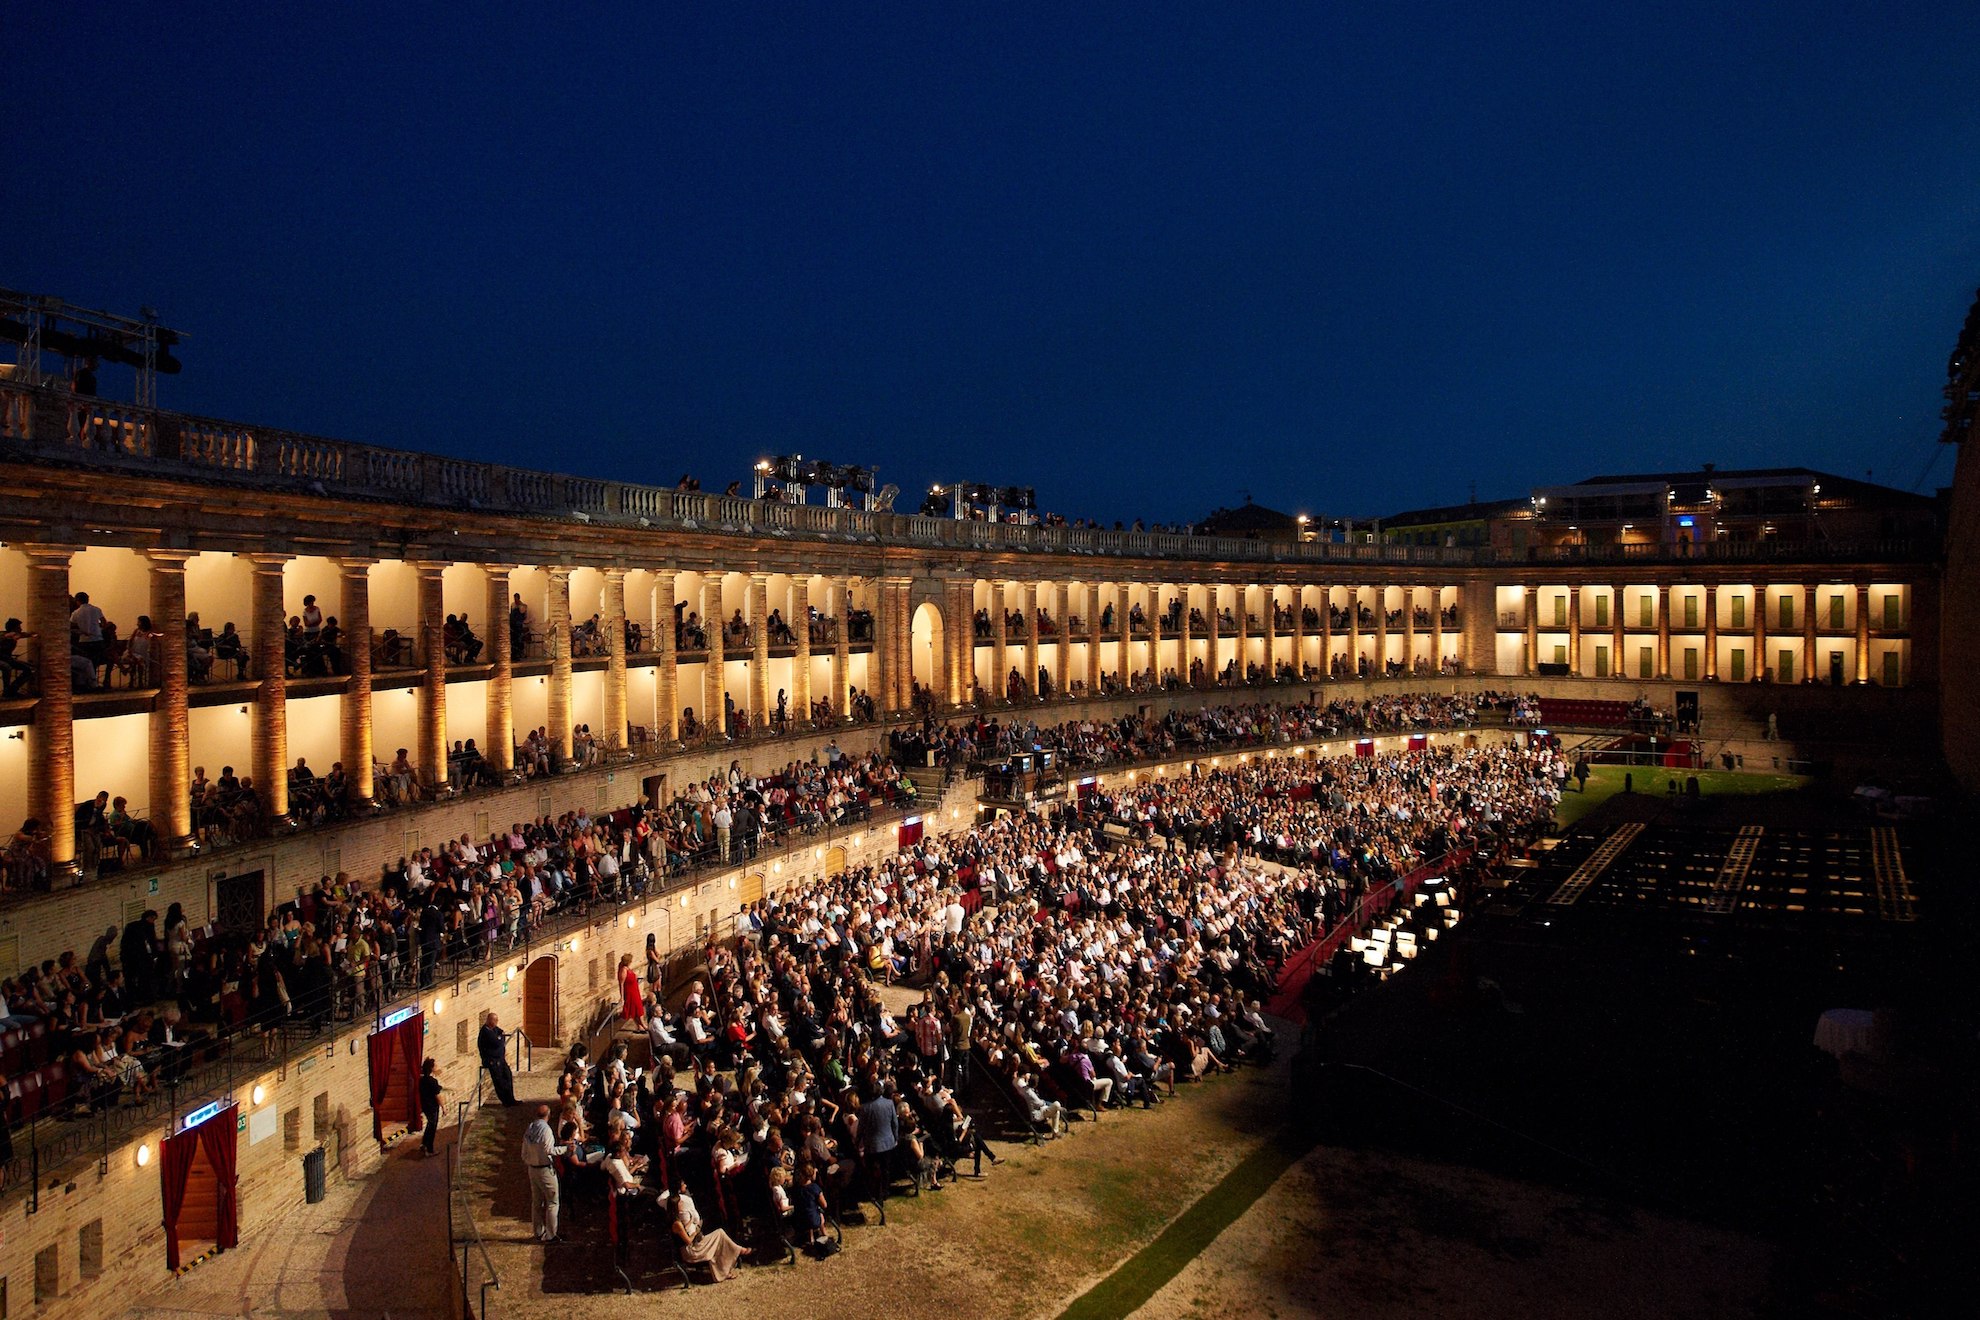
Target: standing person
539 1156
493 1043
1581 772
429 1102
633 1011
879 1135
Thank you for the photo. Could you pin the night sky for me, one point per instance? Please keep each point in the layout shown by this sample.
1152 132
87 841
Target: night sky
1141 257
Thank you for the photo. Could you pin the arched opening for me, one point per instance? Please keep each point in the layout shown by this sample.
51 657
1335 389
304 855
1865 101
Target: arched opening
540 1001
925 650
752 889
835 861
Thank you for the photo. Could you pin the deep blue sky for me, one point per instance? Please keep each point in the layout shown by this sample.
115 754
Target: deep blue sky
1139 256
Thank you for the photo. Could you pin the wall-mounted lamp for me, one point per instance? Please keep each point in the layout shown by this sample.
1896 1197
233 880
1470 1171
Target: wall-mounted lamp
259 1093
143 1154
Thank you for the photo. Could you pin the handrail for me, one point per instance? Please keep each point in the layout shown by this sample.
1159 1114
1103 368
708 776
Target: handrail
238 1052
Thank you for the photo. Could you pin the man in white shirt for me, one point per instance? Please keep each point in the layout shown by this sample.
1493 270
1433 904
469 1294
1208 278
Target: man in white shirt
539 1156
724 820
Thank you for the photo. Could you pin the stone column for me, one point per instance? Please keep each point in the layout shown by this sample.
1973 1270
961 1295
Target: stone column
355 736
880 660
1574 631
171 750
664 586
1028 596
500 752
1712 633
1326 632
1437 630
1299 630
1062 641
1759 630
1000 653
1409 629
1154 629
1354 630
842 653
759 650
1532 595
557 632
1092 622
1618 602
433 679
1381 632
1213 635
714 690
801 665
270 746
1808 630
1186 635
612 620
963 642
1241 617
904 644
1663 630
1862 633
52 737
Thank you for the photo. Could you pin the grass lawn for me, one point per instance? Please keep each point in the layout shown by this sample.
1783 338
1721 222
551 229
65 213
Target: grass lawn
1607 781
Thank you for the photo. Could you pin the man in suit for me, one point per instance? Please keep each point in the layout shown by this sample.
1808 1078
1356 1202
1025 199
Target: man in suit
493 1043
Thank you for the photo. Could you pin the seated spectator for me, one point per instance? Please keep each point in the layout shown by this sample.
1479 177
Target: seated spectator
19 675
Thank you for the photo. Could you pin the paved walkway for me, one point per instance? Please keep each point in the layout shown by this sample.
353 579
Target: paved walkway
372 1250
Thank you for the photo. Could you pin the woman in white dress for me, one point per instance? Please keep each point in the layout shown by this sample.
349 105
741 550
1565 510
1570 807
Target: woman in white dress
713 1248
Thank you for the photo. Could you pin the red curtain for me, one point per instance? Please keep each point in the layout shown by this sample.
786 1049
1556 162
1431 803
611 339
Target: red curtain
910 835
412 1039
219 1136
175 1161
383 1046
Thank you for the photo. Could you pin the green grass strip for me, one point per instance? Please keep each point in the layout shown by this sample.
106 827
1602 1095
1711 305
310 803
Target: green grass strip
1140 1276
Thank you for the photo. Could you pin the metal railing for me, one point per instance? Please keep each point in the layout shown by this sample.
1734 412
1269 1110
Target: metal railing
59 1139
460 1205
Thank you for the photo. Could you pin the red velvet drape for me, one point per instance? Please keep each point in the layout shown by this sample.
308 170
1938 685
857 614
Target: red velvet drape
175 1161
220 1136
412 1040
383 1047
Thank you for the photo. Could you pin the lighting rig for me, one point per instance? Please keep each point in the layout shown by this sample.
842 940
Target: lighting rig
799 474
39 325
958 498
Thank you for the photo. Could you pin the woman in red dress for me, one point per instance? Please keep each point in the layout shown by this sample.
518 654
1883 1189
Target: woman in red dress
634 1009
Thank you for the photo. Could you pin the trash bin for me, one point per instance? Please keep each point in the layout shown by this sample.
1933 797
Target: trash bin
313 1176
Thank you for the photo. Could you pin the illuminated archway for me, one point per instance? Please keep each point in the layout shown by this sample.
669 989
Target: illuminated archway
926 651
